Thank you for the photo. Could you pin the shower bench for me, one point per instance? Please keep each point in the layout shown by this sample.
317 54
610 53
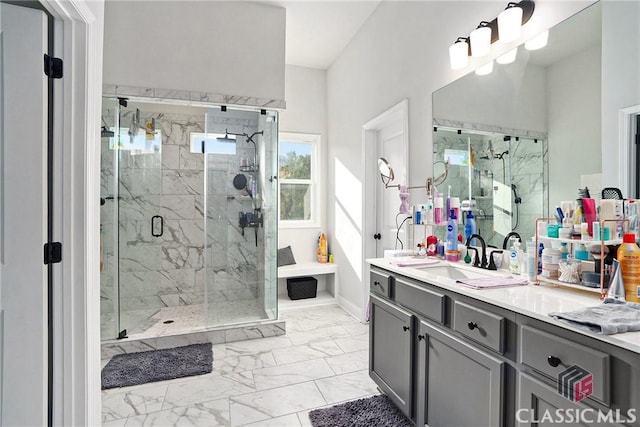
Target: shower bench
303 269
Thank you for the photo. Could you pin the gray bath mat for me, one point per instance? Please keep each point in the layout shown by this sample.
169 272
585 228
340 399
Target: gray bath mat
376 411
157 365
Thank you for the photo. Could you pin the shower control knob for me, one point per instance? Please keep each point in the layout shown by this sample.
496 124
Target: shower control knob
377 236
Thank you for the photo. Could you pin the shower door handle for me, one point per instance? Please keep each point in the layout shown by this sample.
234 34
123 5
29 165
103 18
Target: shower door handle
153 226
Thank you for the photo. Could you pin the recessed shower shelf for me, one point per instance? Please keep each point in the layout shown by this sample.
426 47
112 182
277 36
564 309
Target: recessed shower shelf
249 168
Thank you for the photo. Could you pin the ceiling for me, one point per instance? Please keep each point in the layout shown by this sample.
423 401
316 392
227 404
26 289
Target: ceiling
318 31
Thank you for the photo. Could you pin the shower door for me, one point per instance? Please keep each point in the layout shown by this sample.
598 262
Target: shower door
132 221
240 217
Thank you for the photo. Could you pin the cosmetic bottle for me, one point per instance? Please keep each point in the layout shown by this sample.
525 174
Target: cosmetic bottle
438 214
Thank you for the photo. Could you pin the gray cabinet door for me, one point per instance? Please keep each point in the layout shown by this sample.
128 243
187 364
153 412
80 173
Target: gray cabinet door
542 406
463 386
390 354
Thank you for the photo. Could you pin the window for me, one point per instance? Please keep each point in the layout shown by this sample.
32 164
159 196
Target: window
298 165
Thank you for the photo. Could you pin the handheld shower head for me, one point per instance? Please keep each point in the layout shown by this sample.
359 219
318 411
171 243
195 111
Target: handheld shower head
517 200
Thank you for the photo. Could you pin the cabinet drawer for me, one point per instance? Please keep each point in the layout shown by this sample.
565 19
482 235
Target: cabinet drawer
479 325
424 302
380 284
552 355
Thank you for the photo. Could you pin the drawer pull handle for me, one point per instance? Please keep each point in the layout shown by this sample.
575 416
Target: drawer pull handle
472 325
553 361
421 337
376 283
405 328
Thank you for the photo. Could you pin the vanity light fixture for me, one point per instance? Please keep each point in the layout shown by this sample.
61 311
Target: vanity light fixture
459 53
508 57
510 23
506 27
485 69
538 42
481 40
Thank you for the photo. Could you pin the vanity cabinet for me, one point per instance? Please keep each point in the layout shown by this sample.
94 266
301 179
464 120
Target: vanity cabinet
391 341
541 406
453 360
462 385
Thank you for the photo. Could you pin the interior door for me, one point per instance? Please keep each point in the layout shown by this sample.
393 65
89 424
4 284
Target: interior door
391 145
23 210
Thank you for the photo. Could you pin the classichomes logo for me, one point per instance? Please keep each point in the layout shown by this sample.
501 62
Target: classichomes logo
575 383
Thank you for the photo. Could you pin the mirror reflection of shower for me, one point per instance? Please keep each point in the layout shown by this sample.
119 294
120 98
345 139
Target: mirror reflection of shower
500 177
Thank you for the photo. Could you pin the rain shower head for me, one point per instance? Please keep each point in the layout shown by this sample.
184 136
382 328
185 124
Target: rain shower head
226 137
106 133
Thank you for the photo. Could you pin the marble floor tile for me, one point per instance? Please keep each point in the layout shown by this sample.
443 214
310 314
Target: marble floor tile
356 328
208 388
290 420
258 345
209 414
292 373
347 387
349 362
356 343
320 334
262 405
322 361
121 404
309 351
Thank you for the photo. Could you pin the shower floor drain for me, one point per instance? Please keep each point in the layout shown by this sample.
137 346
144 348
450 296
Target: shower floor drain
166 322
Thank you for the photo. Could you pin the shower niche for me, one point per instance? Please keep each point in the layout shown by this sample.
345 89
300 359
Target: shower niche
501 178
181 186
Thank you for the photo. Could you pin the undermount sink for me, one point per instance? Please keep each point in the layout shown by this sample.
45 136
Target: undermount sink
454 273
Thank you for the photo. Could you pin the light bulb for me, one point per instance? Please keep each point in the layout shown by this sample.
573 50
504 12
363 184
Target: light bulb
509 24
480 41
538 42
485 69
508 57
459 55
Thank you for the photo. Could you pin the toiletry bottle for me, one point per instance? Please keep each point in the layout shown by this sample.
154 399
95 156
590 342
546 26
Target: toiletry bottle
429 219
629 257
455 205
438 214
448 205
582 253
451 249
470 228
564 250
531 260
514 264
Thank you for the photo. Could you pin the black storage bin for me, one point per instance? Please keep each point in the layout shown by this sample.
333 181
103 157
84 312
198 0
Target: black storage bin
302 287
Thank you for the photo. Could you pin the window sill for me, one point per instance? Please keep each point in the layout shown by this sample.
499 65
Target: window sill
299 225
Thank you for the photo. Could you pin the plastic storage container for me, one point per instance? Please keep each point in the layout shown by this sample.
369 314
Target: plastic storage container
629 257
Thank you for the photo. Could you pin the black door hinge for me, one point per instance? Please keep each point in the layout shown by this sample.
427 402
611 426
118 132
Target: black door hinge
52 67
52 253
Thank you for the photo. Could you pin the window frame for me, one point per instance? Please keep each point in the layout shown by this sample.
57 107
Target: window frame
314 182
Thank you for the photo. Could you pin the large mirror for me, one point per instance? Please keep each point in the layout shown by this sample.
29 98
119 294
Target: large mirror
531 129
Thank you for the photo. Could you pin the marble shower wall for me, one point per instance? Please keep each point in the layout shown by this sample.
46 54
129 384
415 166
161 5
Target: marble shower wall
523 166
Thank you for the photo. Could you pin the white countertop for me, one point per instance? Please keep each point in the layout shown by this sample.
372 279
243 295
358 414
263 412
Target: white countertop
530 300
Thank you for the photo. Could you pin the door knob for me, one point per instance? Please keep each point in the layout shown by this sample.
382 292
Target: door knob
377 236
405 328
421 337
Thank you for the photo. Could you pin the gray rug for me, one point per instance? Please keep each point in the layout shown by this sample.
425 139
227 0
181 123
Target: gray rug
376 411
157 365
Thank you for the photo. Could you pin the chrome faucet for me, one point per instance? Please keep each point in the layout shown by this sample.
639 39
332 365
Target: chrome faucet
483 263
508 236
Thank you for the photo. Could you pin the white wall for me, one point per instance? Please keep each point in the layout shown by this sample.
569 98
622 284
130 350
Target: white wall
221 47
620 77
573 133
401 52
306 97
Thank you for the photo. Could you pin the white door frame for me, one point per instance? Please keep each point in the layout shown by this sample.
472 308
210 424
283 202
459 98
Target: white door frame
626 115
371 179
78 34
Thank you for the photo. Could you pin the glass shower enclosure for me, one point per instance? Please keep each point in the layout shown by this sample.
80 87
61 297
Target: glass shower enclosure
185 246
